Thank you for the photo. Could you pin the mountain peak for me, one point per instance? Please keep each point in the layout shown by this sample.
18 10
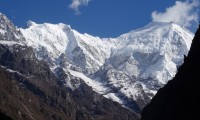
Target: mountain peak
2 16
5 23
47 25
30 23
159 24
167 26
8 31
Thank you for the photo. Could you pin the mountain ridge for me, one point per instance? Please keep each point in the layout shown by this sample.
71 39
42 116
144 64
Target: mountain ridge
128 69
133 55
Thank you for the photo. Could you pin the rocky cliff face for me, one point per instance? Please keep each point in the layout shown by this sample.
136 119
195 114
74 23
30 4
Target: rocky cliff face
179 98
29 90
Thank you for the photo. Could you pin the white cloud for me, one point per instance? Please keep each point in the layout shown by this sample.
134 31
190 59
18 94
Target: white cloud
77 3
182 13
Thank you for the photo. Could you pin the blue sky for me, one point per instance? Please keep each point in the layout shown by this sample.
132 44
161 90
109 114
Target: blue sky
103 18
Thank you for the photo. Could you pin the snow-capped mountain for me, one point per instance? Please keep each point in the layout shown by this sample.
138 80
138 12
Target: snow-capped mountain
31 91
54 42
125 69
128 69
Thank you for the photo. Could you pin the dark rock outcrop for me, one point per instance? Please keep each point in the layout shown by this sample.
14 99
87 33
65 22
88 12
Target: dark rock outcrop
4 116
179 98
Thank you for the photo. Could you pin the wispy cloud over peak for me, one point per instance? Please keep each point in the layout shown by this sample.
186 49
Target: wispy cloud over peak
77 3
182 13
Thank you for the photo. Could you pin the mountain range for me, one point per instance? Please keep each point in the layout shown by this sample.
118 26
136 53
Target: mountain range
65 70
